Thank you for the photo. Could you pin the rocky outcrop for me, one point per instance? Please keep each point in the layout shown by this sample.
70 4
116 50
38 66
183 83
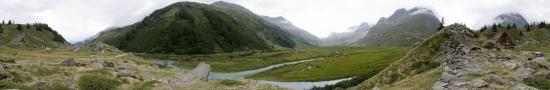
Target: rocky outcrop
458 61
467 67
200 73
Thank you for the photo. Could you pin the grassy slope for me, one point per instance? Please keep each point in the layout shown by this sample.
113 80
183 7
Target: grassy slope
416 61
354 63
422 81
34 36
238 61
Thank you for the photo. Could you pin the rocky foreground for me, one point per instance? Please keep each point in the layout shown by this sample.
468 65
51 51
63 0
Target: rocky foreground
468 66
100 66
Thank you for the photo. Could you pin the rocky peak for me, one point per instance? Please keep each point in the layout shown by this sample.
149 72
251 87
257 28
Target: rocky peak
402 13
510 19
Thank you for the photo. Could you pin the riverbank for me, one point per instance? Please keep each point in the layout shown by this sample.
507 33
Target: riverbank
250 60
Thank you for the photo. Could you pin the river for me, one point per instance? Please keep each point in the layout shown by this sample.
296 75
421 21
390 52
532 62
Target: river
242 74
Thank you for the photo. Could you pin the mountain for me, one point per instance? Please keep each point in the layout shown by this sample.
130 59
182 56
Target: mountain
346 38
195 28
403 28
30 36
511 19
301 36
292 29
457 57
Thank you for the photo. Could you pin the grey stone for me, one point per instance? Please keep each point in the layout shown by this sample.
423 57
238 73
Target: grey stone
523 73
126 73
478 83
71 62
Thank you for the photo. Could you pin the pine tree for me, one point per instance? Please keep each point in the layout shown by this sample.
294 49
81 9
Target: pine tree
442 24
483 29
3 22
494 28
508 26
514 26
28 26
9 22
19 27
528 27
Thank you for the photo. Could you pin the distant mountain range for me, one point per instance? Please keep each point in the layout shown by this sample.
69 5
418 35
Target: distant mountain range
195 28
292 29
346 38
403 28
511 19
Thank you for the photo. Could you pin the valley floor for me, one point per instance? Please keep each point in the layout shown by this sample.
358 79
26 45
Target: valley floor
351 63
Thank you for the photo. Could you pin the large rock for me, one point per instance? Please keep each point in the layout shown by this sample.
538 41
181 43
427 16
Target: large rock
200 73
71 62
125 73
478 83
522 73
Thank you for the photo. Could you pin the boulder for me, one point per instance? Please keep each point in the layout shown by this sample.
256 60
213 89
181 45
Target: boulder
478 83
522 73
125 73
71 62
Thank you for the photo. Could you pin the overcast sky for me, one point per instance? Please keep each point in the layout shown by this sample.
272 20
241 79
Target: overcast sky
79 19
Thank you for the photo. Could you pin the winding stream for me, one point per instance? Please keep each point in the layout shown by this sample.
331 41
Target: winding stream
242 74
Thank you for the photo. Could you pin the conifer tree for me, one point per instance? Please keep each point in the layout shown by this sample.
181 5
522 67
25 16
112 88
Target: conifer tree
494 28
19 27
441 24
528 27
483 29
508 26
9 22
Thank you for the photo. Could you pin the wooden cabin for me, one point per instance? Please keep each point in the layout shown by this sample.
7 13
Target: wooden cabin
501 38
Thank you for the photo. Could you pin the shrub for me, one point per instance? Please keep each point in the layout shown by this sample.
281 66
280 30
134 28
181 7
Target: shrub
349 83
11 85
148 85
488 45
97 82
7 60
538 82
421 66
231 82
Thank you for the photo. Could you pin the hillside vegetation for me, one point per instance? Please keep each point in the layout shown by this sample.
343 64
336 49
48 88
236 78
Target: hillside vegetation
195 28
30 36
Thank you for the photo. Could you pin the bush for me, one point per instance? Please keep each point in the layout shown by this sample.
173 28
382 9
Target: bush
231 82
11 85
7 60
538 82
97 82
489 45
349 83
